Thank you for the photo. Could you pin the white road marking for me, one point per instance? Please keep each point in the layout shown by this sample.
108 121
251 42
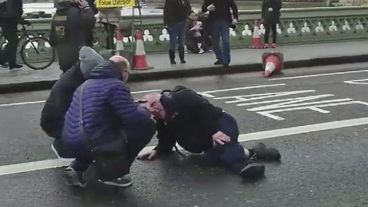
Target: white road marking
208 93
319 75
43 101
303 129
55 163
21 103
358 82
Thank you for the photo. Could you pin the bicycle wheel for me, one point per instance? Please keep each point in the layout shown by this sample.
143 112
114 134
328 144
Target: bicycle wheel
37 53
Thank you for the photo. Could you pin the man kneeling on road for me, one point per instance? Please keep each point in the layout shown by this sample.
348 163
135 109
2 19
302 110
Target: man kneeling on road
104 127
53 112
185 117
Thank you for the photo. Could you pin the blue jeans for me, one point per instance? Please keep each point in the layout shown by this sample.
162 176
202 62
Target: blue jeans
221 29
231 155
176 32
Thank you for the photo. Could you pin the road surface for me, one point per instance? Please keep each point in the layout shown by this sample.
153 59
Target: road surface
317 118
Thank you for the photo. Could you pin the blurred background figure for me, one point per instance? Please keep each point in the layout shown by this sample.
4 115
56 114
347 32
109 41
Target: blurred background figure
196 34
270 18
175 16
11 12
71 28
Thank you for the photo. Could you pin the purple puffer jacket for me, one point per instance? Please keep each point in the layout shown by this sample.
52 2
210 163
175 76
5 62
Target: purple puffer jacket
108 107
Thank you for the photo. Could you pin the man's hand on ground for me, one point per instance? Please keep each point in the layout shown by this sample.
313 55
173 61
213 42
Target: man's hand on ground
220 138
148 155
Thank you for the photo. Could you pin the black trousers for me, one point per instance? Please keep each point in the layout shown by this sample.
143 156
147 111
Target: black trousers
271 26
138 137
9 29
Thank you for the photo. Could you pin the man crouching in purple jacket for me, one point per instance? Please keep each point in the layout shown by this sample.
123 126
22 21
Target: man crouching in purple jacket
104 127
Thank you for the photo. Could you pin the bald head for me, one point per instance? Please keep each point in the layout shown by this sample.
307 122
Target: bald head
123 64
155 106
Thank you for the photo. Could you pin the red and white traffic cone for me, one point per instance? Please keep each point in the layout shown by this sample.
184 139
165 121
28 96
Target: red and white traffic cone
119 42
140 62
272 63
256 38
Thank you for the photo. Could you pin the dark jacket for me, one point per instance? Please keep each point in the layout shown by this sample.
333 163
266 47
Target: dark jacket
271 17
13 9
69 29
176 11
52 115
53 112
222 11
193 121
108 107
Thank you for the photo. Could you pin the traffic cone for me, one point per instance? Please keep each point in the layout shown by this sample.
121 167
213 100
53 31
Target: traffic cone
119 42
256 38
140 62
272 63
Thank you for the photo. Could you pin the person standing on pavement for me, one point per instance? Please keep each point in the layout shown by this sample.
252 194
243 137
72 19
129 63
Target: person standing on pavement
185 117
9 19
221 19
71 27
104 127
175 16
270 18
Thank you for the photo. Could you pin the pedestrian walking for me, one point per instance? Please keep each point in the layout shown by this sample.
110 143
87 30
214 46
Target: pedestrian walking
270 18
221 19
10 15
104 127
71 28
175 16
186 118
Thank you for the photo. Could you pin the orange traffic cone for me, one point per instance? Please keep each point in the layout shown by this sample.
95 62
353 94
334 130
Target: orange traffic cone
119 42
272 63
256 38
140 62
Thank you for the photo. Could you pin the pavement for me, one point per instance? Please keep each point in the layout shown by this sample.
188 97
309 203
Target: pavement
315 116
243 60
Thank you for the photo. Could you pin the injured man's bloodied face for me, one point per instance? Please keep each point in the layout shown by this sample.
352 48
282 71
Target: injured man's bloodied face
155 106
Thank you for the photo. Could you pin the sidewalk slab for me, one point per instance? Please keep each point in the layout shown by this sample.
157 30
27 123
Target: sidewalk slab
243 60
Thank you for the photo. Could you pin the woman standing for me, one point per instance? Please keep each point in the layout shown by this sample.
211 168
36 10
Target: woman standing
270 17
175 16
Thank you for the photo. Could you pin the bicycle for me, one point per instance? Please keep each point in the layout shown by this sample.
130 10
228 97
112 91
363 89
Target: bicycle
35 51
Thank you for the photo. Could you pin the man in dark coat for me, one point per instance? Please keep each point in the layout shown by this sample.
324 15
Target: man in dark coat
53 112
105 127
220 20
9 20
185 117
271 16
71 27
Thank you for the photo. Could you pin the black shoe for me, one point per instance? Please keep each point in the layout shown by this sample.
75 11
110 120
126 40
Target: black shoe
4 65
226 65
181 51
218 62
172 62
74 178
16 66
123 182
252 170
261 152
172 57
